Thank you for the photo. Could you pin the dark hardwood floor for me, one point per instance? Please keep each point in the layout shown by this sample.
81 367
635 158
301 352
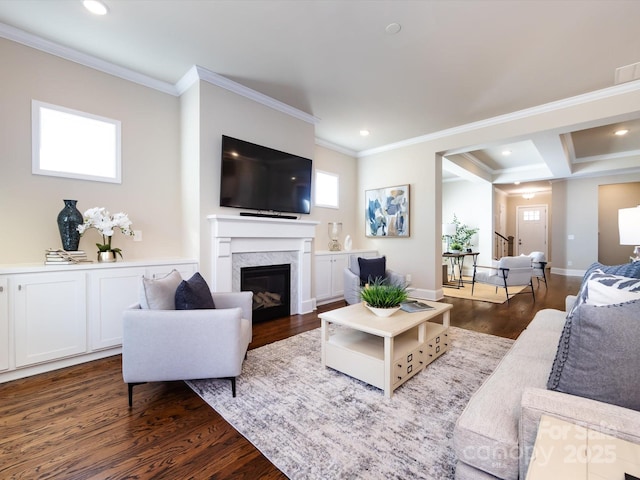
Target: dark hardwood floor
75 423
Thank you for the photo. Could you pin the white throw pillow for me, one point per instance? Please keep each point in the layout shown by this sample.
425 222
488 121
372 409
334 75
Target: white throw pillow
601 294
160 293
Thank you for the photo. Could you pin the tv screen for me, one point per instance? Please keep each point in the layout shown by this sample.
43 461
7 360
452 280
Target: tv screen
263 179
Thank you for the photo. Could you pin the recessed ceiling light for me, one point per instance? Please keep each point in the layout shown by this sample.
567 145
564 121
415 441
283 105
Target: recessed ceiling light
516 183
364 132
393 28
621 132
95 6
506 153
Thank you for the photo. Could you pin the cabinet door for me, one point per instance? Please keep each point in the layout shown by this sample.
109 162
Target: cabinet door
4 325
324 276
50 316
111 291
339 262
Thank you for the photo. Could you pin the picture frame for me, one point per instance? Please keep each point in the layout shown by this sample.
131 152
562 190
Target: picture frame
387 212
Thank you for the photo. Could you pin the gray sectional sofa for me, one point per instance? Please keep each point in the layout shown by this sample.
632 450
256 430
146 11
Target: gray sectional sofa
494 435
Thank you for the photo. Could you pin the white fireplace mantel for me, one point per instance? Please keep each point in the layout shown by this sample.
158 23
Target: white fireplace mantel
235 234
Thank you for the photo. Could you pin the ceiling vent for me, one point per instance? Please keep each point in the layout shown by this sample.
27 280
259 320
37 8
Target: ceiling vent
627 73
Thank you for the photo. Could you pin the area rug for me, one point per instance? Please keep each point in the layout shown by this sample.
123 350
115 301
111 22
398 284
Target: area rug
313 422
481 292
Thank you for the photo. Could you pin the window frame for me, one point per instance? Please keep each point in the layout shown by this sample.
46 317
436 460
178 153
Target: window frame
337 182
36 141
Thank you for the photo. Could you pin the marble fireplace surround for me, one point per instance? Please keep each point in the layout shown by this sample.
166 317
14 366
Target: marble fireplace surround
239 241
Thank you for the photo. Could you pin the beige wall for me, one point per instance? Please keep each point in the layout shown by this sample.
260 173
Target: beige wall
149 193
346 167
574 208
170 159
611 198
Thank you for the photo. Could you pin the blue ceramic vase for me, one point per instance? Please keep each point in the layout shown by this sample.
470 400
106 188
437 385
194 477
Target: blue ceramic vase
68 220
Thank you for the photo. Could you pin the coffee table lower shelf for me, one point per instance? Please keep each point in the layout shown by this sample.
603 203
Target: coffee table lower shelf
385 361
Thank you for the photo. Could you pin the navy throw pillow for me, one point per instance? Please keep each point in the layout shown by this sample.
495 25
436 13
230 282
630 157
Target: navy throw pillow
193 294
371 268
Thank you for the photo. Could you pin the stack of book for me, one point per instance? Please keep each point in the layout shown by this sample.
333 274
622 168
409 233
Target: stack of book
64 257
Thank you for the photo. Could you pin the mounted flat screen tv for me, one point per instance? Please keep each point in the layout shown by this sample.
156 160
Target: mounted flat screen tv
261 178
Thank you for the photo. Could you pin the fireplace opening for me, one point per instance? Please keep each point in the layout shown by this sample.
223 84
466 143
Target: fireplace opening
271 287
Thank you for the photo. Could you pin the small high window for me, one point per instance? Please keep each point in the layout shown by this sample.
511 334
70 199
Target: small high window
327 189
73 144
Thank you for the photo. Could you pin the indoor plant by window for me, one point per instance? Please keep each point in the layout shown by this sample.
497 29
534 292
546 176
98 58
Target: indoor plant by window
106 223
382 298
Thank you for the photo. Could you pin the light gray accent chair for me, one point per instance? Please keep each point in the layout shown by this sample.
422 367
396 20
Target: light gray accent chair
167 345
352 279
509 272
539 264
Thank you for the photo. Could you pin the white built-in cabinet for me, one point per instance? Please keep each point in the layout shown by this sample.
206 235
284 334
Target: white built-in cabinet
4 325
55 316
329 273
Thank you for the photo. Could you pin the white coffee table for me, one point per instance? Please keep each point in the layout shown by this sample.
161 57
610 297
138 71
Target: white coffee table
383 352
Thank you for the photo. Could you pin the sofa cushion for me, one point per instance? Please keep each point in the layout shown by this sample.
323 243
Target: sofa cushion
611 280
160 293
602 293
602 359
193 294
486 433
371 268
630 269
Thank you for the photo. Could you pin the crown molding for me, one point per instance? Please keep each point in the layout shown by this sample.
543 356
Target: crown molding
336 148
194 74
510 117
200 73
33 41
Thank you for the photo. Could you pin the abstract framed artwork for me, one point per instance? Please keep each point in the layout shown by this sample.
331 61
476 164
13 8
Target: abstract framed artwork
387 212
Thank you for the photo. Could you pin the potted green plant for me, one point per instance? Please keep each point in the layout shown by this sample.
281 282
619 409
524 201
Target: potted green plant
462 237
383 298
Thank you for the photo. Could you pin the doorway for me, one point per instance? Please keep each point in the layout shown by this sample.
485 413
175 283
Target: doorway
531 229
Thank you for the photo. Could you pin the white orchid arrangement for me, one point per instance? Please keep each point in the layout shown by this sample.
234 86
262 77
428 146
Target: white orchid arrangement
100 219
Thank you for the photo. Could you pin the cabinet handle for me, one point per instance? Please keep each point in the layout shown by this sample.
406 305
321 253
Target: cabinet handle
1 289
19 287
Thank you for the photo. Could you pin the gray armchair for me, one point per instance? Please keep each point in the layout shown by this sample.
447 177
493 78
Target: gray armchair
165 345
352 280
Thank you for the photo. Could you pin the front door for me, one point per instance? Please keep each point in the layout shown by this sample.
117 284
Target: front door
531 230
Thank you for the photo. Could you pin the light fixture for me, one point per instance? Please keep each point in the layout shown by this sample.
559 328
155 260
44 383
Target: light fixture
528 196
621 132
448 230
629 229
393 28
506 153
516 183
95 6
364 132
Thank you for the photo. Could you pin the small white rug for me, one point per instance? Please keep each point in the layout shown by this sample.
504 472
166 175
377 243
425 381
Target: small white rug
313 422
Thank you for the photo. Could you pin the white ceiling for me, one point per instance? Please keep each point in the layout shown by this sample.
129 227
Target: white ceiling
453 62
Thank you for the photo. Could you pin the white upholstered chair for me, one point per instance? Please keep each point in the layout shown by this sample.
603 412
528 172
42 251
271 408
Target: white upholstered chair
539 263
165 345
509 272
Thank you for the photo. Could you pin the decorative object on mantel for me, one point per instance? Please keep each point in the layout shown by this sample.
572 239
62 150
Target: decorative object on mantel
335 229
383 299
100 219
387 212
69 219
